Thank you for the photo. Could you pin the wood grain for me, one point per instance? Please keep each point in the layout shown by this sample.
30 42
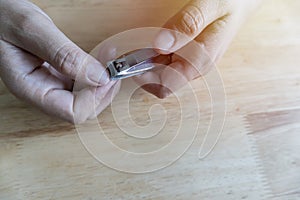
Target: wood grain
281 160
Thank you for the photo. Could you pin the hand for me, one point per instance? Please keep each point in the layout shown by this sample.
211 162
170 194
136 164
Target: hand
38 64
211 24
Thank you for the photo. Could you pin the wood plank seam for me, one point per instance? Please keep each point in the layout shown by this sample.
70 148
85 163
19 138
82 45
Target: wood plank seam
255 152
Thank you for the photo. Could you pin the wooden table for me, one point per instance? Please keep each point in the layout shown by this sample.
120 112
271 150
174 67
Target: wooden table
257 156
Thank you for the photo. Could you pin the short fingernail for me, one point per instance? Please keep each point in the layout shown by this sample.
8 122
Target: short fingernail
107 53
164 40
97 74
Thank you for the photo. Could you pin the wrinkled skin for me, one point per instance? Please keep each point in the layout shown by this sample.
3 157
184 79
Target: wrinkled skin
211 24
39 65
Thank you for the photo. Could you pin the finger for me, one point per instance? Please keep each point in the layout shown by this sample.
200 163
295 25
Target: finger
217 37
74 108
151 81
27 79
188 63
104 52
38 86
199 59
27 27
59 75
172 78
167 80
104 102
16 66
187 24
86 102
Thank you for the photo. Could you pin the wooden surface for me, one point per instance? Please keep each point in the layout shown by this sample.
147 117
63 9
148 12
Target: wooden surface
257 156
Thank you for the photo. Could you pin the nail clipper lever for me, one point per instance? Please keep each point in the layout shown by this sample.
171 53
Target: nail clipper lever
136 63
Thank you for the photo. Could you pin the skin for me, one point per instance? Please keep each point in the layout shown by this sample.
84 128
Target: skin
209 24
39 65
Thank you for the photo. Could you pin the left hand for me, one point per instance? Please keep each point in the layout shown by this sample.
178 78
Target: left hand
39 64
210 23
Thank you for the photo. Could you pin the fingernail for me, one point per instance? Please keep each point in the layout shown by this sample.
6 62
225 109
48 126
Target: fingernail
107 53
97 74
164 41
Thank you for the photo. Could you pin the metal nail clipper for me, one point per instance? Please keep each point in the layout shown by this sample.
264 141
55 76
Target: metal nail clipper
136 63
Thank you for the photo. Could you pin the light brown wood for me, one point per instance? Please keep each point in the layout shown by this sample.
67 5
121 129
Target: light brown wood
257 156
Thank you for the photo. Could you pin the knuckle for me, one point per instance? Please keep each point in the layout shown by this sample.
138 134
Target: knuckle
19 19
25 21
28 20
192 19
28 16
67 59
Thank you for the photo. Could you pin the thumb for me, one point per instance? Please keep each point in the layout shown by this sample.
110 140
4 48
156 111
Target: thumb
187 24
70 60
37 34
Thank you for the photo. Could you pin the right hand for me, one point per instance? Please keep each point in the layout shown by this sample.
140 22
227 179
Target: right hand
38 64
